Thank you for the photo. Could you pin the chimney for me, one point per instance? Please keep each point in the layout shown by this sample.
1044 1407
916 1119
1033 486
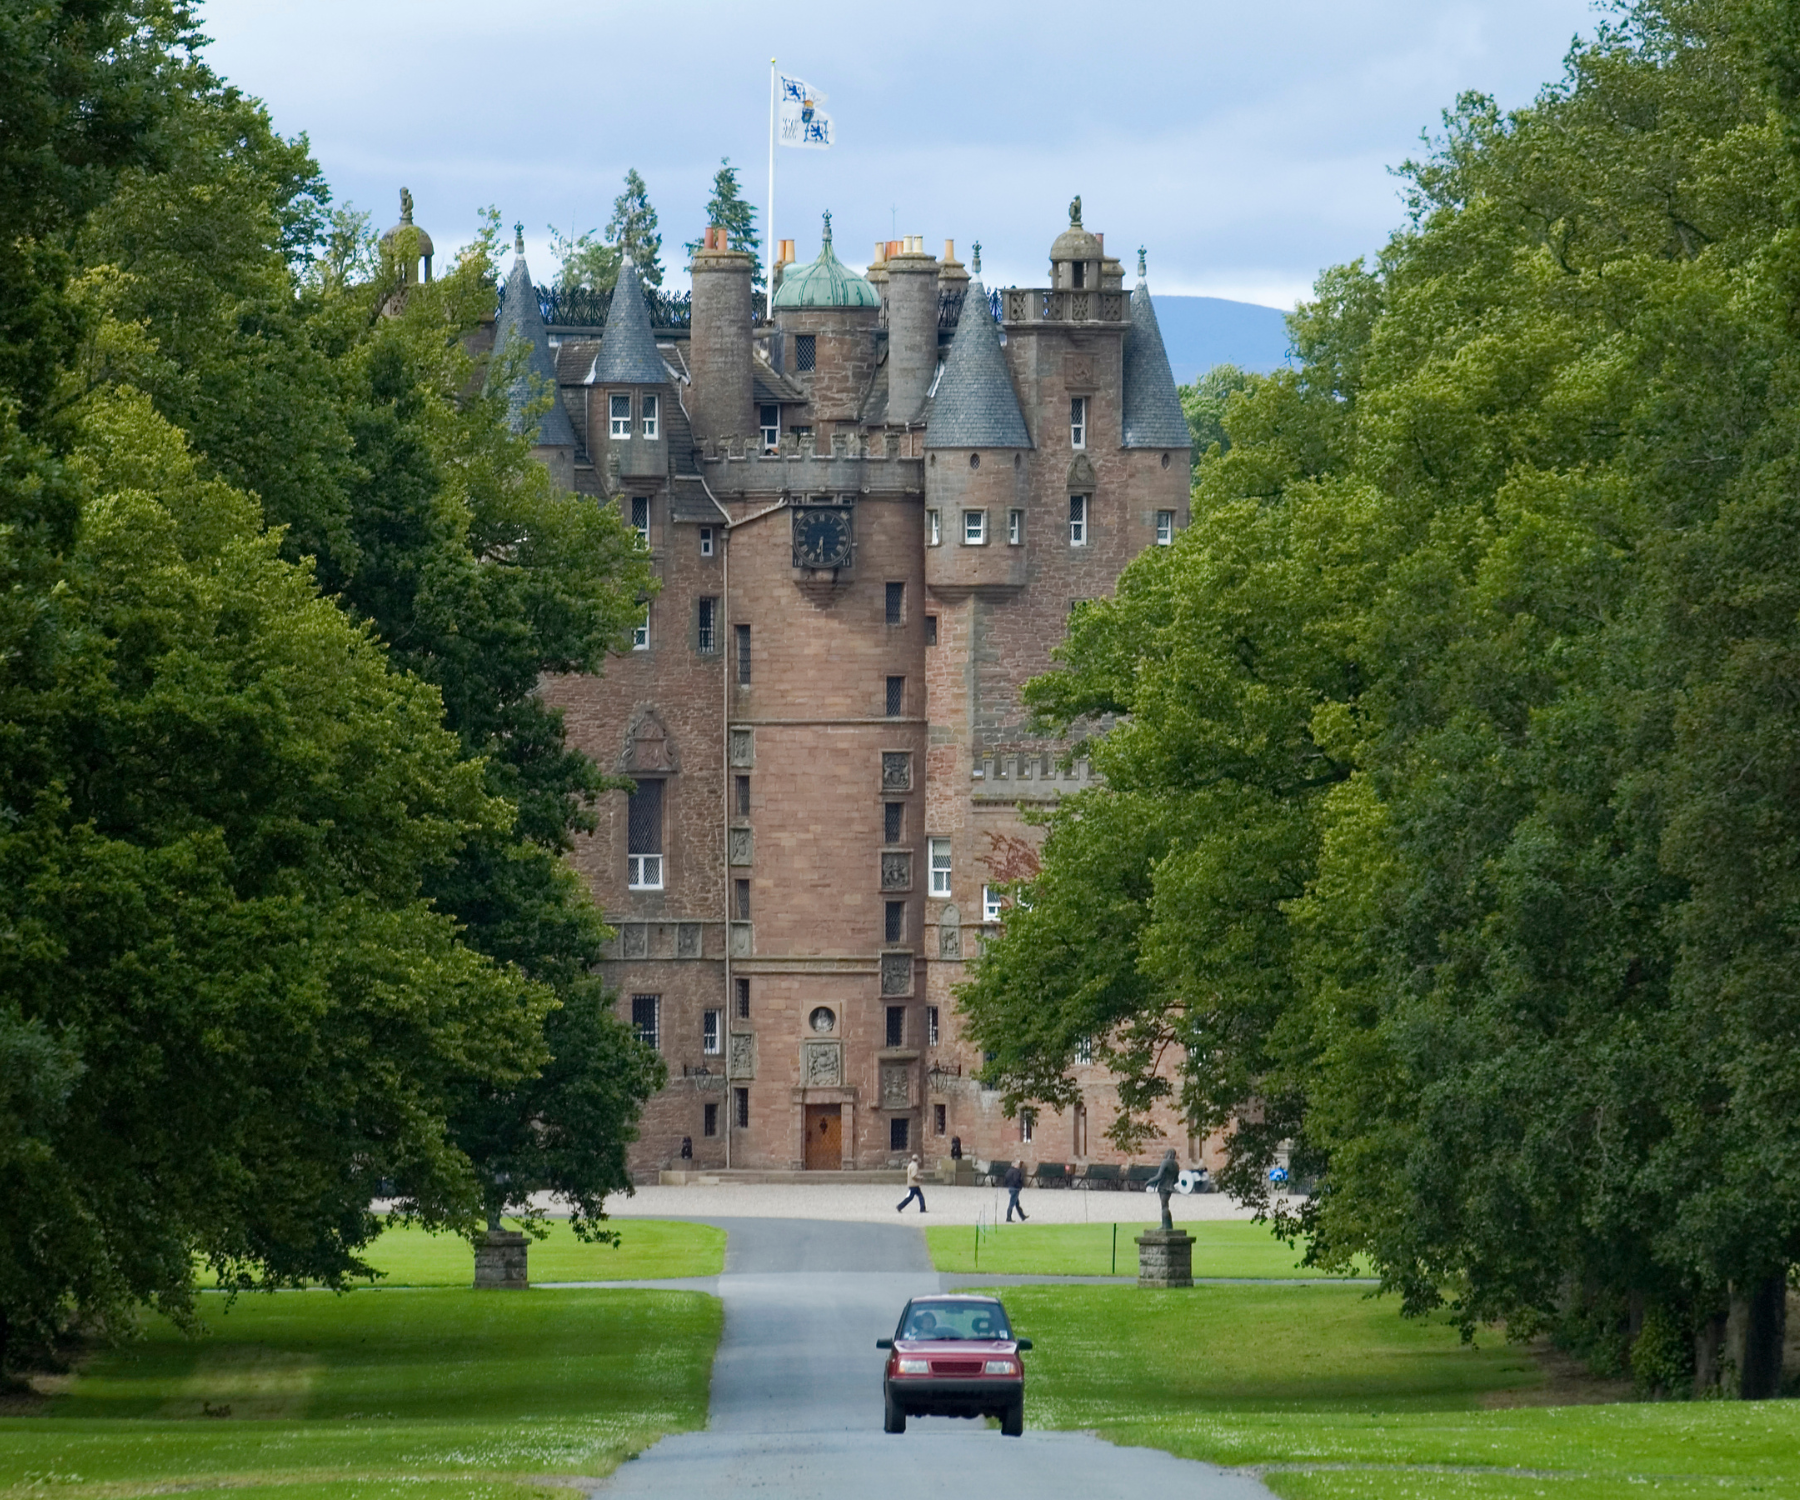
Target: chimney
912 326
719 341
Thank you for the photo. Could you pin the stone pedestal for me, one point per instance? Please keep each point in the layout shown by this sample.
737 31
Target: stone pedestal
500 1260
1165 1258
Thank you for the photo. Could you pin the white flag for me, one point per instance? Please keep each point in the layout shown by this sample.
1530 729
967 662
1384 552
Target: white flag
800 120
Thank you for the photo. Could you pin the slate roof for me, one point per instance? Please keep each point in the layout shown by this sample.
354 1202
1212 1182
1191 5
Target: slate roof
975 405
1152 417
519 319
627 348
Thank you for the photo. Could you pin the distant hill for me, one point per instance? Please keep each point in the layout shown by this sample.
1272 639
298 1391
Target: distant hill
1200 332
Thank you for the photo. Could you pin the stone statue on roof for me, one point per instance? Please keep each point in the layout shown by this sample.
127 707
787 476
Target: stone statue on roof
1075 213
406 205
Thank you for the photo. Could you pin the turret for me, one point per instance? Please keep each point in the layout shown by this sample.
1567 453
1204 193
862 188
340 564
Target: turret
522 351
408 244
1152 415
826 317
719 346
627 386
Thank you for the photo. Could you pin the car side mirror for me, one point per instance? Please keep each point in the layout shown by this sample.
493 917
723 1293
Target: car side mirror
1023 1344
884 1343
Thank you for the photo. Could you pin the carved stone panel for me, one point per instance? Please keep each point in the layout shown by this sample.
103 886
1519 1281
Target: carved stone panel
634 940
743 747
741 941
896 973
1078 371
822 1064
687 940
896 770
740 845
740 1059
896 870
896 1086
950 933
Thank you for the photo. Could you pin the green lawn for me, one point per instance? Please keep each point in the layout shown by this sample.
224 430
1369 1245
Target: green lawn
648 1248
1225 1247
1337 1397
434 1395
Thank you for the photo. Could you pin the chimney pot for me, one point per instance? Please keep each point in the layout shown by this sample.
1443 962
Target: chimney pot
949 249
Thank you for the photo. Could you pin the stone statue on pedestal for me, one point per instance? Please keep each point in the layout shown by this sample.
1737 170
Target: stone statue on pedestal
1167 1175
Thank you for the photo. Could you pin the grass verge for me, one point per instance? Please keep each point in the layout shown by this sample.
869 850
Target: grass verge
439 1395
1222 1247
1333 1396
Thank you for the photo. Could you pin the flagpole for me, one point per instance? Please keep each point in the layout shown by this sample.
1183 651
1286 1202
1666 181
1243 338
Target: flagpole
769 239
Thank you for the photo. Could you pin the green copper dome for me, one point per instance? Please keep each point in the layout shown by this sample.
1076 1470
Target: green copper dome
825 282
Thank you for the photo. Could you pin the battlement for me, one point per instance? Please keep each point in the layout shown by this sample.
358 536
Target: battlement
853 464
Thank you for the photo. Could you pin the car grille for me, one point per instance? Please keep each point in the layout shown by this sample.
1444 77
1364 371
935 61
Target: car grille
956 1367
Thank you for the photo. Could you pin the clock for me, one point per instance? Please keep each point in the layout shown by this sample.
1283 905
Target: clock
822 536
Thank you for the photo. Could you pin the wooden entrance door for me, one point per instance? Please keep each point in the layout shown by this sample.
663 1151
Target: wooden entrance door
824 1137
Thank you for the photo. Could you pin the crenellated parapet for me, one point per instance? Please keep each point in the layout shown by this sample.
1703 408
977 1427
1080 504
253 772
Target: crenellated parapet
851 466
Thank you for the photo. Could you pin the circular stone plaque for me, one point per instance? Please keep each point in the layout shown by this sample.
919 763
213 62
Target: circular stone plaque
822 1020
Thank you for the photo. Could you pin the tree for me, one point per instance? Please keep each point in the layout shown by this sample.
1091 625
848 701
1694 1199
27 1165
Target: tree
632 228
1457 715
729 210
1205 403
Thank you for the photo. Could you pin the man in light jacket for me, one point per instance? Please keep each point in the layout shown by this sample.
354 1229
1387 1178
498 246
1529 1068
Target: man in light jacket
913 1190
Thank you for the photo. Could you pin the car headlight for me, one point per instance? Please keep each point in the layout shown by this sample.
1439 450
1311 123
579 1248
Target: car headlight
1002 1367
912 1367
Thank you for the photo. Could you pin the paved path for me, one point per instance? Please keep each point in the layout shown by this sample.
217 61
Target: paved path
796 1394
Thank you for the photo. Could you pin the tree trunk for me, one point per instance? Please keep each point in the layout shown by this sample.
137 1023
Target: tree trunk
1709 1345
1754 1329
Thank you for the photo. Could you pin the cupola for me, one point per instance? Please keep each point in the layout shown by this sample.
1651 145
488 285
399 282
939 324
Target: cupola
825 282
408 243
1076 257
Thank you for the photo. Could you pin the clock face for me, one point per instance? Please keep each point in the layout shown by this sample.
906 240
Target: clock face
822 537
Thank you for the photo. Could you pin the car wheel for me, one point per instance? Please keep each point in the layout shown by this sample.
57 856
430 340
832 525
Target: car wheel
1012 1421
894 1417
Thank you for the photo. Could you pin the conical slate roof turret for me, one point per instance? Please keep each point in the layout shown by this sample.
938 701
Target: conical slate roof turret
627 347
520 321
975 405
1153 417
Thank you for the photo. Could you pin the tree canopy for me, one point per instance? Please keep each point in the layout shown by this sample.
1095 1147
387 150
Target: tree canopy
728 209
591 262
1448 837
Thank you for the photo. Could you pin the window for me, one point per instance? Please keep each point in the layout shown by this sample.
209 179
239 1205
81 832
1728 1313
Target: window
643 834
931 1031
1078 423
1084 1050
930 630
1015 528
743 655
894 929
640 633
806 351
706 633
896 1026
743 999
645 1016
1078 275
620 407
940 867
896 697
1027 1125
974 528
709 1120
650 415
640 518
1078 520
710 1042
743 899
990 904
706 541
768 418
896 603
899 1133
743 1108
938 1121
893 821
934 529
1165 528
743 796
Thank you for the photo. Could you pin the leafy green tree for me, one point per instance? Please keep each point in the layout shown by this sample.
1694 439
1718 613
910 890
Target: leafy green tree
729 210
1205 402
632 228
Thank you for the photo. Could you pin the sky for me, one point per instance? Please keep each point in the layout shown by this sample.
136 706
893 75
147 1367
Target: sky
1248 146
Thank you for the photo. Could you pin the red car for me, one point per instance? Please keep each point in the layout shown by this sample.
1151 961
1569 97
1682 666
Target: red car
954 1356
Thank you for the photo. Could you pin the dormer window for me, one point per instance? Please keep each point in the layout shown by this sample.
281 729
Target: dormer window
769 419
620 408
1078 421
650 416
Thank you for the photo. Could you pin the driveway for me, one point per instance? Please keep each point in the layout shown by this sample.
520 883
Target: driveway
796 1394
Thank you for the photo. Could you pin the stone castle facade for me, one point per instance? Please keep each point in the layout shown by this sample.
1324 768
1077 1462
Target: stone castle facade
871 511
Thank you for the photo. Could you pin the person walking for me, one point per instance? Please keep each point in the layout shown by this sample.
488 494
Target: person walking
913 1190
1014 1180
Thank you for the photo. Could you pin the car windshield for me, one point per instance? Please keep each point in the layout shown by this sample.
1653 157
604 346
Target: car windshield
955 1320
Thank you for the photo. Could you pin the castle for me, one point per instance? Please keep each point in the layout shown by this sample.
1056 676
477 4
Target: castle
872 509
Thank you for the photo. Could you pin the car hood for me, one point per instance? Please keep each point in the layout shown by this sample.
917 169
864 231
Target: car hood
951 1348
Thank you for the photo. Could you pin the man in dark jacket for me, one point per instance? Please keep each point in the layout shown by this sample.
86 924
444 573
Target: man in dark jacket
1014 1180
